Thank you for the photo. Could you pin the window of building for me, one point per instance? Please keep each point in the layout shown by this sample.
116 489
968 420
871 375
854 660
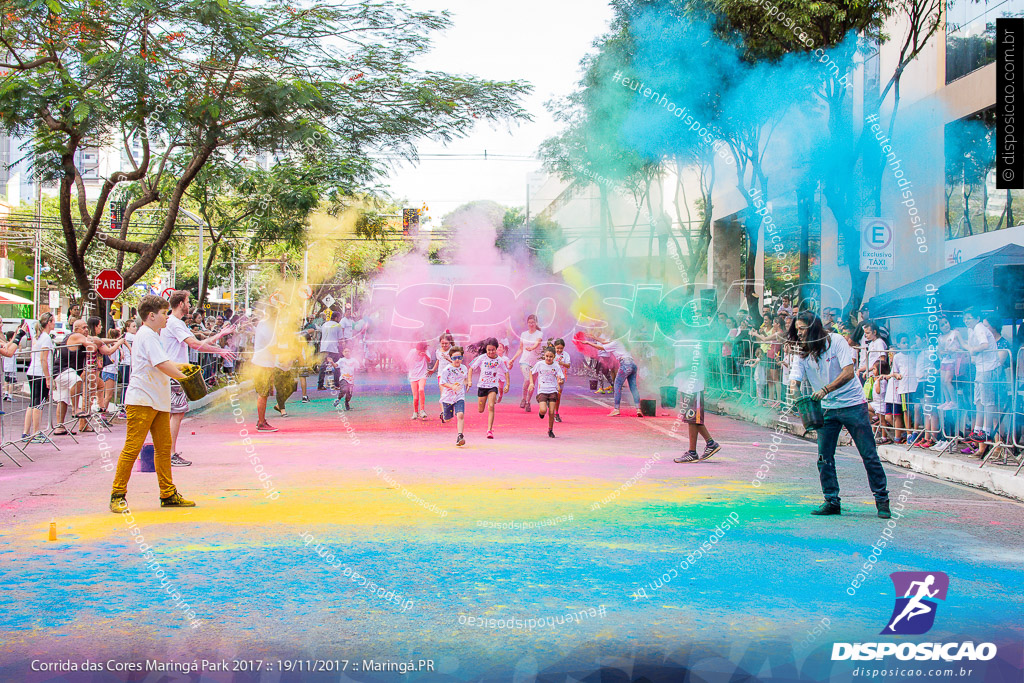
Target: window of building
973 204
971 33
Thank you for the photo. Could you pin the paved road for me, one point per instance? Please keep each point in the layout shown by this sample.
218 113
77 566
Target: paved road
590 549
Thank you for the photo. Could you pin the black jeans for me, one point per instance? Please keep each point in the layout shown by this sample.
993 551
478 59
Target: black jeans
345 391
858 422
323 369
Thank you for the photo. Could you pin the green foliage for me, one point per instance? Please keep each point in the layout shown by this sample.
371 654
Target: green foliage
177 84
540 241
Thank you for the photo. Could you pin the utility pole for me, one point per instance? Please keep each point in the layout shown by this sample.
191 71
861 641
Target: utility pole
527 208
248 276
36 248
202 262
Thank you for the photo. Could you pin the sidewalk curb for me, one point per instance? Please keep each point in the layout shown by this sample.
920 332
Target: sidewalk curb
949 469
196 407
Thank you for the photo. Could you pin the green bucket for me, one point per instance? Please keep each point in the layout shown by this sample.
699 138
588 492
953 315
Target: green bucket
810 412
193 384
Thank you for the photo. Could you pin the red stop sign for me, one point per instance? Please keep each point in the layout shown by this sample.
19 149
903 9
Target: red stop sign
109 284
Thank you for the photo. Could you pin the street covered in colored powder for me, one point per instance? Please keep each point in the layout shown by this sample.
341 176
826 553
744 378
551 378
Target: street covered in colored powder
586 341
510 531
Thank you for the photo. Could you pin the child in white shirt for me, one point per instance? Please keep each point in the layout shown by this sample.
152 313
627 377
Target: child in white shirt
549 383
454 380
347 367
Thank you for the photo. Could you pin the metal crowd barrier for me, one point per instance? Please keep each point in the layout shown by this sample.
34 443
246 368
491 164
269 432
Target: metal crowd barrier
752 372
89 404
940 415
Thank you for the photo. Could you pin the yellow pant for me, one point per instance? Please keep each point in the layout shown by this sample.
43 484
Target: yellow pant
144 420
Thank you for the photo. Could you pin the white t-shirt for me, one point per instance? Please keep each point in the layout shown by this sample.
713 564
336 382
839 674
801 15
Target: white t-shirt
903 365
563 358
527 338
453 375
148 386
262 345
889 394
442 361
618 350
126 353
173 337
689 360
490 370
547 377
10 364
329 334
826 369
39 345
760 371
988 359
417 364
876 350
347 369
347 326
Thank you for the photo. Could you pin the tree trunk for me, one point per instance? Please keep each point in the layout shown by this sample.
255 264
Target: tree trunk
650 234
603 198
967 212
804 206
984 206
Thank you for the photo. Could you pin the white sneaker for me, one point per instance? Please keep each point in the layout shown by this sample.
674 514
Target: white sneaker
423 415
113 408
939 446
415 416
95 405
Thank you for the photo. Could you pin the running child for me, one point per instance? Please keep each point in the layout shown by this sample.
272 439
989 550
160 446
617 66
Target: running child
454 380
550 377
446 341
416 363
347 367
504 379
563 360
487 386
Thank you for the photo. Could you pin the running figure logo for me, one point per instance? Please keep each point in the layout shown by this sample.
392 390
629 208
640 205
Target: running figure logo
914 613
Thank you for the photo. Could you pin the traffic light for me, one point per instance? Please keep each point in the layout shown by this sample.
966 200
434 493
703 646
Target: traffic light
410 222
116 215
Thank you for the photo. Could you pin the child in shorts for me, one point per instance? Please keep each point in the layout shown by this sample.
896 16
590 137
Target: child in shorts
491 367
505 380
347 367
10 371
549 383
454 380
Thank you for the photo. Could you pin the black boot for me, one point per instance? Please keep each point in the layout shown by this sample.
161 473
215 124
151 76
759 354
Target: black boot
883 509
827 508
